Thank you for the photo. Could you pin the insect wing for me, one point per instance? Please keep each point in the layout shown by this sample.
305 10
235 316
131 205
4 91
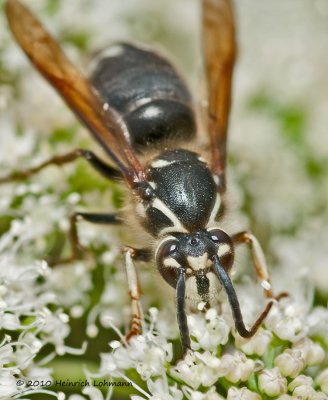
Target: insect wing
219 46
102 121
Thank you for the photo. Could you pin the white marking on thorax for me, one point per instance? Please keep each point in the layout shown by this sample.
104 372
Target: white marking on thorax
197 263
161 163
177 226
215 210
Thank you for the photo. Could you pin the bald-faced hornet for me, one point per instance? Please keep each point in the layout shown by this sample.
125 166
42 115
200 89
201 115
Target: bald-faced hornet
141 112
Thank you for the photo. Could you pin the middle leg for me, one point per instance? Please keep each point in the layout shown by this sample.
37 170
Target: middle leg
76 247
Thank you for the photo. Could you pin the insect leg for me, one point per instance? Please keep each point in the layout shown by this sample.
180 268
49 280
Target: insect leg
258 258
234 303
106 170
134 288
96 218
181 312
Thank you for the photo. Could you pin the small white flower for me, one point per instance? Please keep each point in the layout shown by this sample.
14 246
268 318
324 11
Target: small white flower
9 321
209 373
272 383
312 352
322 380
195 395
146 354
290 362
236 367
93 393
302 386
162 391
242 394
198 369
210 331
317 321
318 396
188 371
301 380
285 320
257 344
7 384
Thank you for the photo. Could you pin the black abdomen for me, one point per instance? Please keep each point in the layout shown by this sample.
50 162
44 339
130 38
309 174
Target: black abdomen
149 94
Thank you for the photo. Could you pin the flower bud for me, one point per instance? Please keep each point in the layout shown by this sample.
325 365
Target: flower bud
302 386
290 362
242 394
257 344
318 396
236 367
272 383
322 380
311 351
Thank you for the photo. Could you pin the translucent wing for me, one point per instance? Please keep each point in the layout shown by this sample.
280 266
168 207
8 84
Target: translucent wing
219 46
102 121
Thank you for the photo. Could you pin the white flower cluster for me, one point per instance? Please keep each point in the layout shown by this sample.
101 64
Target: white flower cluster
268 364
31 317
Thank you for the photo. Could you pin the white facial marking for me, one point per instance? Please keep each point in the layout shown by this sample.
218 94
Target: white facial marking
223 249
152 184
192 295
191 290
171 262
177 226
215 210
215 286
209 263
161 163
105 106
197 263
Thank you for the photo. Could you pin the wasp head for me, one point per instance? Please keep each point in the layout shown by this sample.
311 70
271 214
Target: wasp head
193 255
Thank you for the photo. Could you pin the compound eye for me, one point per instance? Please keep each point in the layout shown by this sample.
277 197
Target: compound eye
218 236
224 246
166 262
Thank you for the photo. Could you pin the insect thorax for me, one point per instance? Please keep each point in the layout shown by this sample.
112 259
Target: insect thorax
184 196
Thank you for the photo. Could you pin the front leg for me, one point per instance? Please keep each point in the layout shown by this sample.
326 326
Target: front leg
131 254
258 259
